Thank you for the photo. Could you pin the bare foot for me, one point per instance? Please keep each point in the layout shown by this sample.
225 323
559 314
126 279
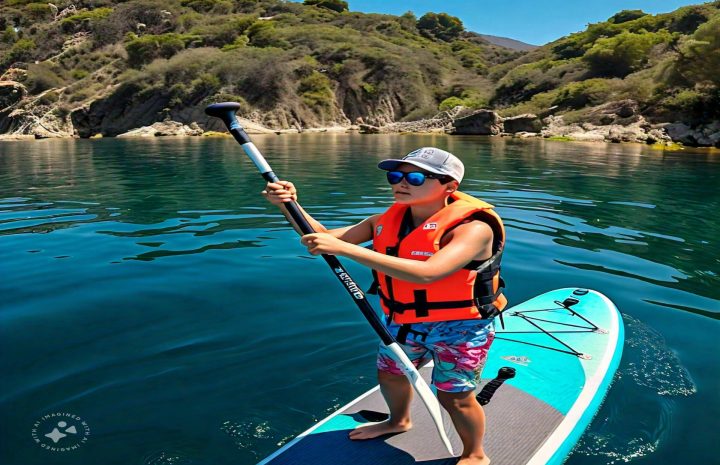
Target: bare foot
374 430
474 460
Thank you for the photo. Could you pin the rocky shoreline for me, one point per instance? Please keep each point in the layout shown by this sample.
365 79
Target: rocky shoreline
613 122
24 117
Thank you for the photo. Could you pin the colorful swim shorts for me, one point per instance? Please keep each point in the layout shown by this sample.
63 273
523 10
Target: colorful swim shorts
458 348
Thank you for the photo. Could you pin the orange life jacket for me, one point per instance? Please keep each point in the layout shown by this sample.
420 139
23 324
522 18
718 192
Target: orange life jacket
474 291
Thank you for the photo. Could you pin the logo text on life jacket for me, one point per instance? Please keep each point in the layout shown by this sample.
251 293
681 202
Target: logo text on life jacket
349 283
430 226
422 253
378 230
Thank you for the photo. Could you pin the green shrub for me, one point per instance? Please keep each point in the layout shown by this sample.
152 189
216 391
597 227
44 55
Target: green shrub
583 93
450 103
626 15
220 7
368 88
468 98
239 42
48 98
440 26
78 74
43 76
38 11
224 32
315 90
9 36
205 84
71 23
335 5
699 60
142 50
684 100
264 34
622 54
21 50
686 20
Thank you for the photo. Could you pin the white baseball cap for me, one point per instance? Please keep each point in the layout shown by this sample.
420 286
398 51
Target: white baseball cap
431 159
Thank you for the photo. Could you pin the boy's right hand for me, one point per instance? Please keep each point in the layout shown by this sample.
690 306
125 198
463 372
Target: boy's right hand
280 192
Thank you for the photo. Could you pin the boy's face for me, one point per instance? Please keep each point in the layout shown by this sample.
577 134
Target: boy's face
431 190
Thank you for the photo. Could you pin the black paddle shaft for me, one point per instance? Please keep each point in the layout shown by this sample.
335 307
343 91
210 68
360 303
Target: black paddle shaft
226 112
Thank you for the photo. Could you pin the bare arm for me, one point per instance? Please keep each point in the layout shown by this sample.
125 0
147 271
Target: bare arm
284 191
469 242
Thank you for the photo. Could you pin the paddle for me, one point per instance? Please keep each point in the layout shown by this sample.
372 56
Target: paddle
226 112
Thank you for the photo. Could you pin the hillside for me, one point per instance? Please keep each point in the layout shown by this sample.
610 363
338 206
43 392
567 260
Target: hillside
668 63
112 66
105 67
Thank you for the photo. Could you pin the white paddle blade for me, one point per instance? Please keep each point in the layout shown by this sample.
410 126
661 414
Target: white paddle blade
423 390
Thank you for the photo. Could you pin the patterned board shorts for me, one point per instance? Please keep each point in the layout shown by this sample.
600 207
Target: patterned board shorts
458 348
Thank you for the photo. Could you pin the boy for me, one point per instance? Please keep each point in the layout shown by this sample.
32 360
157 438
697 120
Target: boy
436 260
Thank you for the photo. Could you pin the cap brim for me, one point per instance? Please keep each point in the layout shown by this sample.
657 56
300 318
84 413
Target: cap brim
391 164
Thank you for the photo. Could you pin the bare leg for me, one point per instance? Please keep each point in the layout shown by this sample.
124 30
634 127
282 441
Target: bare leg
468 418
398 392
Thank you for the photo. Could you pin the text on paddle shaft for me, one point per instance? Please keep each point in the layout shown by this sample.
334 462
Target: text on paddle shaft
349 283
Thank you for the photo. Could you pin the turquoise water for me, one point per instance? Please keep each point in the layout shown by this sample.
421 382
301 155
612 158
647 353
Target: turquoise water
149 290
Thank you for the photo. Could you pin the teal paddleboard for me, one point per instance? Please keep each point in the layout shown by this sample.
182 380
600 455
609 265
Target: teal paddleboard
561 348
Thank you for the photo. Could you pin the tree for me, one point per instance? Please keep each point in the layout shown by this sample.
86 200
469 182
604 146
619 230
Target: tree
440 26
622 54
699 60
335 5
626 15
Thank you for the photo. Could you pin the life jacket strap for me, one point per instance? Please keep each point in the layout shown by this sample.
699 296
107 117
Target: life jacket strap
399 307
406 329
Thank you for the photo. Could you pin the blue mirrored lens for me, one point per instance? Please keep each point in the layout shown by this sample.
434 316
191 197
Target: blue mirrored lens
395 177
415 178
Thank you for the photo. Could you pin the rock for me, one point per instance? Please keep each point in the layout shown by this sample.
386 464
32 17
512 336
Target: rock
587 136
11 92
14 74
614 135
711 128
680 132
481 122
165 128
613 113
522 123
704 141
369 129
715 139
655 136
525 134
39 123
555 127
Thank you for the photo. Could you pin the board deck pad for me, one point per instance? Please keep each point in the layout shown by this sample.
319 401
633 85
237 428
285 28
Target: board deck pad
534 418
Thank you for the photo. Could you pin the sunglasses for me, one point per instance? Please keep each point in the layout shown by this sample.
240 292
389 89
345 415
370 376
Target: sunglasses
414 178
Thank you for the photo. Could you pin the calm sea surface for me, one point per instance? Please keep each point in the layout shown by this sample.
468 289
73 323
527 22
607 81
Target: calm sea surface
147 288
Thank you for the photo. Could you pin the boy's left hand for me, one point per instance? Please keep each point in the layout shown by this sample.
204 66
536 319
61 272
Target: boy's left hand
323 243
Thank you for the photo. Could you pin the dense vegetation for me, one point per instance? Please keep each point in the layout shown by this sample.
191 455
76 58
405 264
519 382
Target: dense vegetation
669 63
289 63
318 63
